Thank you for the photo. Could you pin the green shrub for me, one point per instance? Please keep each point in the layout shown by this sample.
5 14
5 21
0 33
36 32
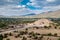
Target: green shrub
49 34
1 37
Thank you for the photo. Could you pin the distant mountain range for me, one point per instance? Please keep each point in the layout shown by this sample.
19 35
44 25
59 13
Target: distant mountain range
50 14
54 14
31 14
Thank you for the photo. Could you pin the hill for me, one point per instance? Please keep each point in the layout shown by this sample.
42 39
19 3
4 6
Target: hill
55 14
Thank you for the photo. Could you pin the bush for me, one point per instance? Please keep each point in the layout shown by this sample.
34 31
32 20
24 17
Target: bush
21 32
49 34
55 27
55 34
18 35
24 38
49 26
25 32
15 31
29 36
31 33
45 27
1 37
8 39
26 29
37 27
40 38
5 35
10 34
35 37
37 33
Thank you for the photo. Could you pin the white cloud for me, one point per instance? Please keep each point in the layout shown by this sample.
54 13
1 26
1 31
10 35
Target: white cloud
52 8
18 6
23 5
13 10
32 0
50 0
46 8
22 10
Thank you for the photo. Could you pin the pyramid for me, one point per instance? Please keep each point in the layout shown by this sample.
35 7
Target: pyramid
41 23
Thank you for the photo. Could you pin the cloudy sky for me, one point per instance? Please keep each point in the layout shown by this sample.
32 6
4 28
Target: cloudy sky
22 7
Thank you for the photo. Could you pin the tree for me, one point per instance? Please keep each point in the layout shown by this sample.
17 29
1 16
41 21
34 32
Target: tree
10 34
49 34
37 27
7 39
5 36
55 27
24 38
29 36
1 37
21 32
45 27
26 29
55 34
40 38
50 26
18 35
2 25
35 37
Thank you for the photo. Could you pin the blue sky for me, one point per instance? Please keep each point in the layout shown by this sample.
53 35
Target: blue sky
23 7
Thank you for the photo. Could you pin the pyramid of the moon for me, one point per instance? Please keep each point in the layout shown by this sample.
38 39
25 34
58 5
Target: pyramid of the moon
41 22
